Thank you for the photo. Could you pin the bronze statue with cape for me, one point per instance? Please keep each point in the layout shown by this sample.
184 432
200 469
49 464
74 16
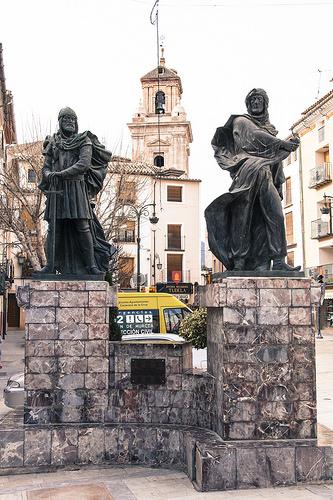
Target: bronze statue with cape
246 225
73 173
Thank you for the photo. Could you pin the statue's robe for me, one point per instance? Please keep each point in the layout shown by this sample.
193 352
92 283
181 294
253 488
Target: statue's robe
247 222
85 160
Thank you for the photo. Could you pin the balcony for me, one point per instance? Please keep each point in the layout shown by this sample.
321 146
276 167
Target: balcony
320 175
326 271
126 236
320 229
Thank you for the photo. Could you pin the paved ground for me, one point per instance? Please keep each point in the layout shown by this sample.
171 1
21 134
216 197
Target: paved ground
138 483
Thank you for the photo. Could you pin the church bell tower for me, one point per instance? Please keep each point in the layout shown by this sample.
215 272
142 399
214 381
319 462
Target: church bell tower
161 134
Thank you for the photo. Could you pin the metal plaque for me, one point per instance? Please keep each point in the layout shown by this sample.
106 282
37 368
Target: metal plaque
147 371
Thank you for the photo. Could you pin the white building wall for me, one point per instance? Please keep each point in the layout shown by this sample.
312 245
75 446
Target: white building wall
318 252
291 169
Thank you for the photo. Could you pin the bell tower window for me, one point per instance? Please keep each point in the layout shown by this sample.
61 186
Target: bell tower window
159 160
159 102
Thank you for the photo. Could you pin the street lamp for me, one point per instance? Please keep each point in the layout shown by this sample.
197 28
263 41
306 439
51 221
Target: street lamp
20 258
138 213
326 209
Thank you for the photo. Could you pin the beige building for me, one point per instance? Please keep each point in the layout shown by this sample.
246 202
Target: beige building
161 137
315 129
292 206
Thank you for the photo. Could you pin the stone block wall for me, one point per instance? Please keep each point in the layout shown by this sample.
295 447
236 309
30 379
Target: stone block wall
261 352
74 374
185 399
67 350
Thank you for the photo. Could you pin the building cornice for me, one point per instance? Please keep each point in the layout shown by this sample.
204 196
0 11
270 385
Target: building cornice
319 109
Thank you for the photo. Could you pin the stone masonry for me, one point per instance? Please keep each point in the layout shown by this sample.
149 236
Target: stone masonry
249 422
261 353
67 350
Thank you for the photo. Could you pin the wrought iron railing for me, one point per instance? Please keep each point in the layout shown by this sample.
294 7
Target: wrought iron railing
320 175
320 229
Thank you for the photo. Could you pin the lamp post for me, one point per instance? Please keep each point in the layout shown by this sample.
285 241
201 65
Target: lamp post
326 211
326 216
138 213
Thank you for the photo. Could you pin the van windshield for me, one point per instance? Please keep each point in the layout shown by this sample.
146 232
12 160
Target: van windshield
173 317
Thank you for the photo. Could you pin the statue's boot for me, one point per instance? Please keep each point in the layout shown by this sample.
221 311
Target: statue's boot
263 266
87 249
239 265
280 265
46 270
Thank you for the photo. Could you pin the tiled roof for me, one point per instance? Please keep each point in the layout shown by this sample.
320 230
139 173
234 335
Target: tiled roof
167 73
316 105
120 165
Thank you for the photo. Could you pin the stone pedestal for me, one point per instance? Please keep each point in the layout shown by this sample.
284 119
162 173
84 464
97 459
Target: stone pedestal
67 355
261 352
249 422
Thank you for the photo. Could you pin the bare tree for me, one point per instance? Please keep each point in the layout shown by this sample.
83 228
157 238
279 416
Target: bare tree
21 202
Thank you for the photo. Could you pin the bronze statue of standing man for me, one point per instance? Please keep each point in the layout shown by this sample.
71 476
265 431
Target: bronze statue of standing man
245 226
73 173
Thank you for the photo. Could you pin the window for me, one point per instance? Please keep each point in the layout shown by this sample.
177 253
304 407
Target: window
31 175
174 263
291 258
289 228
159 160
288 197
289 160
174 237
174 193
127 191
294 155
159 102
127 234
173 317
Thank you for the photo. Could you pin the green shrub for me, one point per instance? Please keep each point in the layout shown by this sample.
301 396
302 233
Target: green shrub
194 328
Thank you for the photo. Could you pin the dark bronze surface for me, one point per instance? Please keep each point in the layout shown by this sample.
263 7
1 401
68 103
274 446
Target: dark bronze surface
147 371
245 226
72 175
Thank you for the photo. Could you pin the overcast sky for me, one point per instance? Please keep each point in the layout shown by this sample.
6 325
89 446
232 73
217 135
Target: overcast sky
91 55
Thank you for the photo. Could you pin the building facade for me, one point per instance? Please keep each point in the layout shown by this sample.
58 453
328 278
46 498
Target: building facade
161 137
9 311
315 129
292 204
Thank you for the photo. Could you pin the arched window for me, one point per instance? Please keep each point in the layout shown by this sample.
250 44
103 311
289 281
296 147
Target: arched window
159 102
159 161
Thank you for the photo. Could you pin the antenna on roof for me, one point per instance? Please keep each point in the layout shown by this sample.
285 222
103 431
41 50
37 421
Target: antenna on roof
154 20
319 82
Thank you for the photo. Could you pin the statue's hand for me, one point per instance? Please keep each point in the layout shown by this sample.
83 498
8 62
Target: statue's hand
53 175
292 144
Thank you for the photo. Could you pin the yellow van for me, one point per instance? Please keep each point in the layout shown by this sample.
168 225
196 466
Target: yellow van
140 313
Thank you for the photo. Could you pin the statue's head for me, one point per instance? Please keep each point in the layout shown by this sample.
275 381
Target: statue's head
257 102
68 121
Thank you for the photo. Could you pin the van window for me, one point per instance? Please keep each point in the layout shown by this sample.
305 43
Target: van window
136 322
173 317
